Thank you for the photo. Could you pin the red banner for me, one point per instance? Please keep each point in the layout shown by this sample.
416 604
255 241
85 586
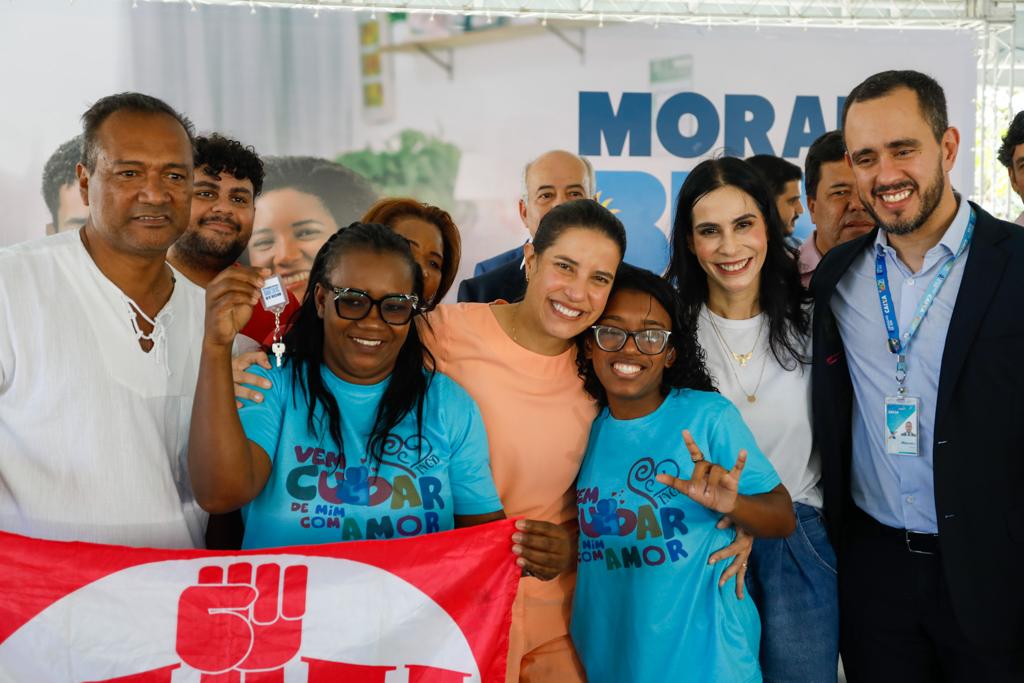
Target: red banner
430 609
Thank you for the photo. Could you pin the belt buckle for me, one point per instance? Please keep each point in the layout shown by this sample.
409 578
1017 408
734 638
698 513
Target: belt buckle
908 536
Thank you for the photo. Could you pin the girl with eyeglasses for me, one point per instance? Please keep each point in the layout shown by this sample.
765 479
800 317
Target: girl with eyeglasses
355 440
740 288
668 457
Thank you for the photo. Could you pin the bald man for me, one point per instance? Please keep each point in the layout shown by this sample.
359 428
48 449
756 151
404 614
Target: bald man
551 179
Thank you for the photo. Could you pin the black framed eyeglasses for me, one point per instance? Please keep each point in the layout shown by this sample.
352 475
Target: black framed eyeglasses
648 342
355 304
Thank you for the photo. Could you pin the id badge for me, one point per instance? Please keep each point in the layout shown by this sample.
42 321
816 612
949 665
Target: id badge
273 293
902 426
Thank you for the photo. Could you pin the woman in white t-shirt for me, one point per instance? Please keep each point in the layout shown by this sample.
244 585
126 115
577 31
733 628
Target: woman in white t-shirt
741 289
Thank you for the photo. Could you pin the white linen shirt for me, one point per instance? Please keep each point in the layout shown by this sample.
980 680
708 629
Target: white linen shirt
93 430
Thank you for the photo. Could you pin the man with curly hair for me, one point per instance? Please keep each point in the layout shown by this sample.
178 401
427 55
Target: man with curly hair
1011 155
228 178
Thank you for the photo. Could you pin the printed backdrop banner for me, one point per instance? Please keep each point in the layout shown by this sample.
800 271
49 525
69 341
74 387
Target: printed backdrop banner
430 609
450 109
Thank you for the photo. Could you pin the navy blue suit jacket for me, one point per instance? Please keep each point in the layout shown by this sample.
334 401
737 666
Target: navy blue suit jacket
506 282
501 259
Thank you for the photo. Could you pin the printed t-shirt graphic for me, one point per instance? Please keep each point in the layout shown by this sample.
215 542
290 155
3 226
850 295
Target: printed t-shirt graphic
648 606
317 495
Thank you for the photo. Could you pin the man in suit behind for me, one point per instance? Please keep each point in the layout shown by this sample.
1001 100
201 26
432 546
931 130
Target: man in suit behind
930 545
551 179
489 264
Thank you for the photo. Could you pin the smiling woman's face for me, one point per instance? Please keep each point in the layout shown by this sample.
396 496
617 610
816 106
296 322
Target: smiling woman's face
289 229
363 351
729 239
569 283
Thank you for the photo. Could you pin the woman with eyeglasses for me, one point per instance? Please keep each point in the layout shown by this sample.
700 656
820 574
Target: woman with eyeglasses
667 458
355 439
517 360
740 288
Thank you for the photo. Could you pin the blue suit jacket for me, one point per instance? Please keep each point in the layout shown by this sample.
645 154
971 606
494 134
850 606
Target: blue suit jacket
506 282
499 260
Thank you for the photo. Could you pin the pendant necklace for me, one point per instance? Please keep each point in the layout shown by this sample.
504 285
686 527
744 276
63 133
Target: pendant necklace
515 319
742 359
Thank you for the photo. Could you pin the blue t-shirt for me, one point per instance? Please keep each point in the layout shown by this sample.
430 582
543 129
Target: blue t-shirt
647 604
315 496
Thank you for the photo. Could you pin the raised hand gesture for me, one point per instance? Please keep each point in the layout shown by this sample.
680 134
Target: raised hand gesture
711 485
230 299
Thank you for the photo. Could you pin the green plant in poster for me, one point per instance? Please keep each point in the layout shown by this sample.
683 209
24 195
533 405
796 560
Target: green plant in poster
413 164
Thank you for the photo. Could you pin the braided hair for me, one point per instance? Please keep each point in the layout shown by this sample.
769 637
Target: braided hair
305 343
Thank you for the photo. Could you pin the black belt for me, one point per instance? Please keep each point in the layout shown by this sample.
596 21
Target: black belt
917 543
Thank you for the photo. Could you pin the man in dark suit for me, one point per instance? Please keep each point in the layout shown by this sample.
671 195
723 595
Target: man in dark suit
930 545
489 264
506 282
551 179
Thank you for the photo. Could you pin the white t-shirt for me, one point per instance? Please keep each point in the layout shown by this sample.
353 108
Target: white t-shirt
780 418
93 430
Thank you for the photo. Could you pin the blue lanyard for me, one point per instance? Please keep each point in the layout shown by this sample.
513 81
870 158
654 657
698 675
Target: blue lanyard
900 346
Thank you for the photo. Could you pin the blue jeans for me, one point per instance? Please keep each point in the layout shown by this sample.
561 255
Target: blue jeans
793 583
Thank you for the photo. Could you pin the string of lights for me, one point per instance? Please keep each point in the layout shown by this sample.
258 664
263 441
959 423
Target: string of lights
898 14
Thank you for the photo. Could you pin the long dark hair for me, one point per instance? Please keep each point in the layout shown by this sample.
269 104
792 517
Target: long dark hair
688 371
305 343
782 297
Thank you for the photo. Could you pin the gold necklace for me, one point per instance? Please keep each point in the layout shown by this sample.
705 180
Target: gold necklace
751 395
741 358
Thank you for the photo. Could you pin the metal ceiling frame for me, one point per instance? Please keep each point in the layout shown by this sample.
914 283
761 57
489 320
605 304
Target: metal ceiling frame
900 14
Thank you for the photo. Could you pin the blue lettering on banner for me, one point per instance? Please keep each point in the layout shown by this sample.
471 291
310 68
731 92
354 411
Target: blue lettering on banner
748 120
633 120
629 128
672 112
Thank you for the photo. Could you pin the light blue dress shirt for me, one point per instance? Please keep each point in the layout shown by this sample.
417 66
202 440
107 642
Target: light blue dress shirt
896 490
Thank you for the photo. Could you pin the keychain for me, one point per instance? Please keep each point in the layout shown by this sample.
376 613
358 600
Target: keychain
275 300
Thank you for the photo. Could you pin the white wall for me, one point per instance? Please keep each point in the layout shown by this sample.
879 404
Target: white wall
57 59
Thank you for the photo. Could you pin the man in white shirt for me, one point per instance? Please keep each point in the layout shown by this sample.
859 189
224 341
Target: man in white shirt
99 346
